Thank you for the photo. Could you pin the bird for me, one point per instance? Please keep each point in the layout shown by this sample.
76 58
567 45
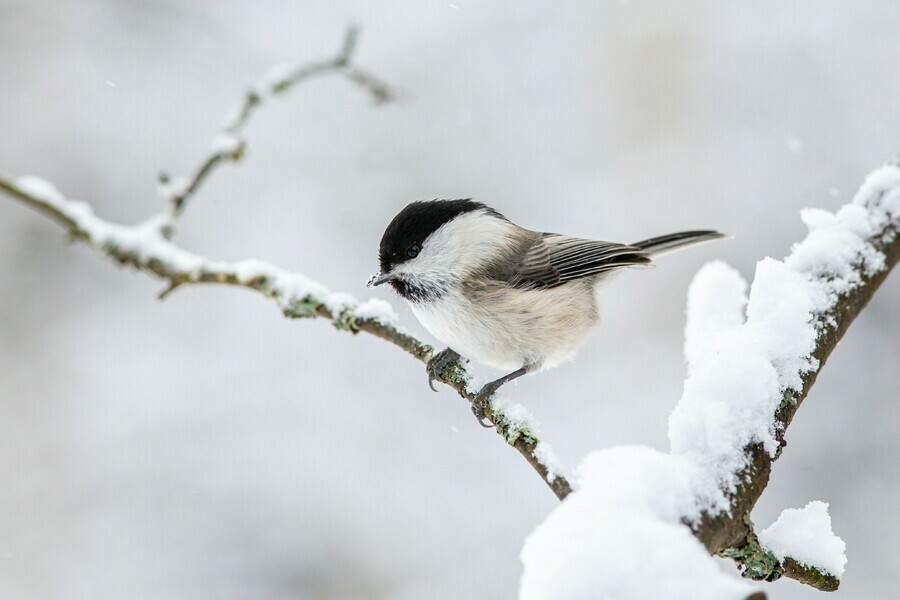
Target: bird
518 300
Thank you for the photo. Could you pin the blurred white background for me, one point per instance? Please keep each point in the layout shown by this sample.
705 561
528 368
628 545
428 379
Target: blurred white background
205 447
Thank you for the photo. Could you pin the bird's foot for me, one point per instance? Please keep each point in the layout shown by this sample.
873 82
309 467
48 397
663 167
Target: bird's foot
437 363
484 395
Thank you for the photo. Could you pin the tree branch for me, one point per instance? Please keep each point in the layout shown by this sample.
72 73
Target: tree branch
148 247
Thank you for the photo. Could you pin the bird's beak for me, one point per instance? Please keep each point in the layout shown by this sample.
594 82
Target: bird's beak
379 278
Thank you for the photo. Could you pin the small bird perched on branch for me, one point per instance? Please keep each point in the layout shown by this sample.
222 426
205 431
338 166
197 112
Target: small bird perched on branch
499 294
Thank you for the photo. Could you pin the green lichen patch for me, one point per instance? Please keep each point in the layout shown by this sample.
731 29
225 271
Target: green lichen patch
788 398
303 308
454 374
756 563
346 321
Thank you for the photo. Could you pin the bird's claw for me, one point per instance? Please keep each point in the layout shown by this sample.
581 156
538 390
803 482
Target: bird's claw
437 363
481 401
478 405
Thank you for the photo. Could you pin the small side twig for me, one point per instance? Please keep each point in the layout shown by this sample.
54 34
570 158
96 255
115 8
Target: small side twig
758 564
164 293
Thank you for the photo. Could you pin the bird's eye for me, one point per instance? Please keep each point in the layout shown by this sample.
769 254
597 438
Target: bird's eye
412 251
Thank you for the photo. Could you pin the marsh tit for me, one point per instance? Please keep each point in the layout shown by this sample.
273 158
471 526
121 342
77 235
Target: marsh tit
496 293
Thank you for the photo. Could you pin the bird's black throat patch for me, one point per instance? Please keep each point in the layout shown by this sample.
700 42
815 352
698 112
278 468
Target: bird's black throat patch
416 293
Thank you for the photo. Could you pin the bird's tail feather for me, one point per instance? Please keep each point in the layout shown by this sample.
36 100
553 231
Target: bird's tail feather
665 244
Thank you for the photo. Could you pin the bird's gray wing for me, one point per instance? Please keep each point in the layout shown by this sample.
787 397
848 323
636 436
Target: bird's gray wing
554 259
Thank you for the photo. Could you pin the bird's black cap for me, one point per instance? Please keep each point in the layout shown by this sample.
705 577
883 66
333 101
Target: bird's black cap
412 226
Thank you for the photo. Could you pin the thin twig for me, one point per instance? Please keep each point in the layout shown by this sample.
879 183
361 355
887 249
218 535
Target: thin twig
229 146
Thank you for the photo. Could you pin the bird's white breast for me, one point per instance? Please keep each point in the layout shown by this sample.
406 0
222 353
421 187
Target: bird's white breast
509 328
452 320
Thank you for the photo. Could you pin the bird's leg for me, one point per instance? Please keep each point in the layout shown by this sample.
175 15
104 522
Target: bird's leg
484 394
436 364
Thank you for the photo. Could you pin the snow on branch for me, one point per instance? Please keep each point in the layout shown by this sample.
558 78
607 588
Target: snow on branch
805 535
751 362
148 247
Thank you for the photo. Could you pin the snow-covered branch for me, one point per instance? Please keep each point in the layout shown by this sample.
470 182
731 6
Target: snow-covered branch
802 308
148 247
751 362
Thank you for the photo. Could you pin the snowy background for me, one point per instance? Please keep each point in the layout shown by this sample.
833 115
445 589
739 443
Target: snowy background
207 448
